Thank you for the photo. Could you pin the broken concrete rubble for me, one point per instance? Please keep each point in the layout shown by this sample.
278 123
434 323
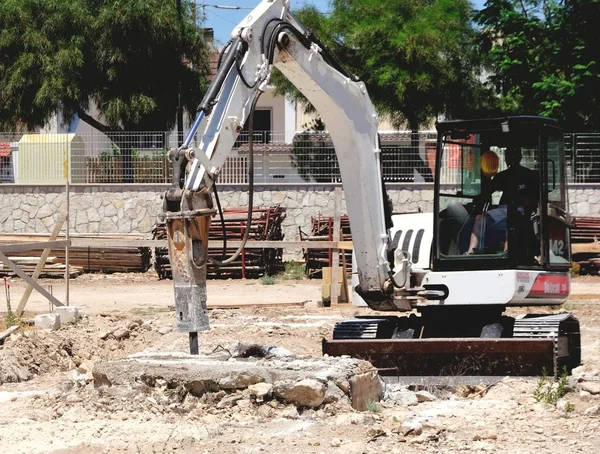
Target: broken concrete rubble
400 395
47 321
303 382
303 393
260 390
67 314
425 396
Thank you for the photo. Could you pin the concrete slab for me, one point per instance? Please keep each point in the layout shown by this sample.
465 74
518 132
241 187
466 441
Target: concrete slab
47 321
68 314
356 379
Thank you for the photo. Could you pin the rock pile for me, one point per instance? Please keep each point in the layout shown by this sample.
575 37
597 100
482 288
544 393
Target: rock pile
26 355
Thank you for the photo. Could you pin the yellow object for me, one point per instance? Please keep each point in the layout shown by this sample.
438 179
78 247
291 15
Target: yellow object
489 163
51 159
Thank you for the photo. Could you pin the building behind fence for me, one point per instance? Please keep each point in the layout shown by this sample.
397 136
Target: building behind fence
279 157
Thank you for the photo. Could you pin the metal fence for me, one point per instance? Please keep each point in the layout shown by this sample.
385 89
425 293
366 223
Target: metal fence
279 157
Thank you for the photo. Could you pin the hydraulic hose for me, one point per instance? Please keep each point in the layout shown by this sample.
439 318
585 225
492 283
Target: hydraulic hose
239 250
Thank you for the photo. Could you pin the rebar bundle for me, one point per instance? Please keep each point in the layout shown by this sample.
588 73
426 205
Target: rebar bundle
322 230
252 262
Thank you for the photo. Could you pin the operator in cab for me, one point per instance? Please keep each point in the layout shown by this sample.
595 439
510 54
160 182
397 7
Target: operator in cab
519 187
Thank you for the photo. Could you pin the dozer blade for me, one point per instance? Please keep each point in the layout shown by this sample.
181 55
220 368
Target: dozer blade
451 356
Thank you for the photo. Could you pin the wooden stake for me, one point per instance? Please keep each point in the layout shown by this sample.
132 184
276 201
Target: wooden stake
345 293
335 263
40 266
19 272
67 271
7 332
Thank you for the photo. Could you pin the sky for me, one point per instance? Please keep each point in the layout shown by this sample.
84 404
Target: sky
223 20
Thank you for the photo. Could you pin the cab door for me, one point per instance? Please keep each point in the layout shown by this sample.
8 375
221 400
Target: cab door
555 218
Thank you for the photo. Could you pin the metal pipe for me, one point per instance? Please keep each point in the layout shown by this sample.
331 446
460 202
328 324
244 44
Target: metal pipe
193 343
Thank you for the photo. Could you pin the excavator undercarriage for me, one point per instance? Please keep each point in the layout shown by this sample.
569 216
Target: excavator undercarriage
410 346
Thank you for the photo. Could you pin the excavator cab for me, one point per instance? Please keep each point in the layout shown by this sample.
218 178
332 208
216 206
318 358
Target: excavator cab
500 196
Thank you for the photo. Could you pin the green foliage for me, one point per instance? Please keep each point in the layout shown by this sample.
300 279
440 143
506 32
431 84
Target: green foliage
115 152
268 280
373 406
11 319
146 167
123 56
293 271
313 155
569 407
416 58
549 391
542 58
575 269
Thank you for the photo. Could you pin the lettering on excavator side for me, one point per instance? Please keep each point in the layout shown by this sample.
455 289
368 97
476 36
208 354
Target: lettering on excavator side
550 286
557 247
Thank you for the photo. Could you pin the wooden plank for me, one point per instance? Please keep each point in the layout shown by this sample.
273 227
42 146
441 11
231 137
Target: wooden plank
585 247
7 332
345 292
40 265
90 242
85 242
67 274
325 287
28 279
335 263
33 245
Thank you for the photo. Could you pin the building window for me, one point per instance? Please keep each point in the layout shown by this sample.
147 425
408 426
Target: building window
261 128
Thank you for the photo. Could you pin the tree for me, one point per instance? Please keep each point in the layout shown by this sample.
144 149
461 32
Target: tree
313 154
543 60
416 58
125 57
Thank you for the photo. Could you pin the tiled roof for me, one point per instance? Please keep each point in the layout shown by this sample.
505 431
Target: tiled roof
386 137
4 149
213 62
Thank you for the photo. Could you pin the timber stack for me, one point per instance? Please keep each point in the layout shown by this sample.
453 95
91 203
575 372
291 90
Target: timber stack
322 230
585 243
105 259
251 263
51 268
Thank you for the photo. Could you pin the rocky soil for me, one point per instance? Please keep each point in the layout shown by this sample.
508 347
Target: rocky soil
50 402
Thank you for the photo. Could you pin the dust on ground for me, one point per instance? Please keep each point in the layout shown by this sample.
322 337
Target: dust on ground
49 402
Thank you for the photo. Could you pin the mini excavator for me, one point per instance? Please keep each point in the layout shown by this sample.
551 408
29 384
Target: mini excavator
498 236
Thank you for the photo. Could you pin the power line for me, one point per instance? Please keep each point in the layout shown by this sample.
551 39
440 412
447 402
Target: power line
203 5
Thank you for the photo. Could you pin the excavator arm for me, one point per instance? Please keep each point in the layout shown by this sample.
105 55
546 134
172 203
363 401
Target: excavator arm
270 37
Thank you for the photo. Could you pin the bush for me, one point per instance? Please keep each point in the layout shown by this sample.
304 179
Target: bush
293 271
373 406
575 269
548 391
268 280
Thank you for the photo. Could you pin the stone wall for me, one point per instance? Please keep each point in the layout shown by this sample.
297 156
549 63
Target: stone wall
93 209
134 208
585 199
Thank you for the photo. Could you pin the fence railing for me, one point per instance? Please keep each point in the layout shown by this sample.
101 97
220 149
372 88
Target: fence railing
279 157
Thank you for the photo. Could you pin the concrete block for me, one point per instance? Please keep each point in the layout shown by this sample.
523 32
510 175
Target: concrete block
68 314
47 321
300 381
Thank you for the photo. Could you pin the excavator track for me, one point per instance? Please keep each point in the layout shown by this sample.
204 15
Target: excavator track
563 329
539 343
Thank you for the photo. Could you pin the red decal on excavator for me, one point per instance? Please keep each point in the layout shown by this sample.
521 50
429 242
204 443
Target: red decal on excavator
549 286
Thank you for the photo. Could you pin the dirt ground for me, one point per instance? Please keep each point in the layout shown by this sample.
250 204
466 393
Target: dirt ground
48 401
